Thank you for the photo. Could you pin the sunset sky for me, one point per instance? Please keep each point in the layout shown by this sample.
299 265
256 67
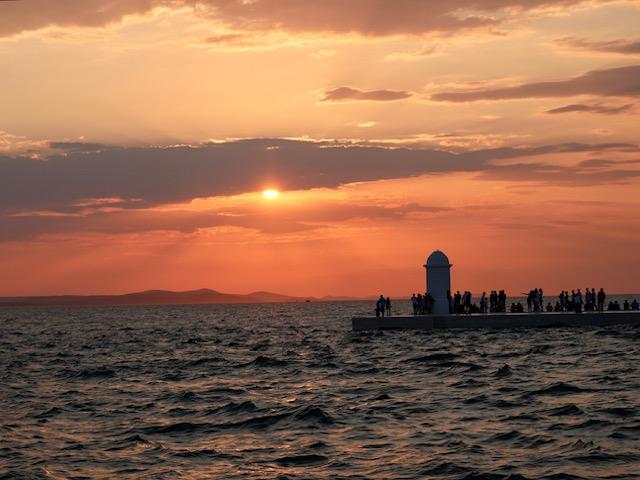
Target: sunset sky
137 138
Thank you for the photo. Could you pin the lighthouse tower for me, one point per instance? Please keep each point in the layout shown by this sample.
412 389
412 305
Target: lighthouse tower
438 281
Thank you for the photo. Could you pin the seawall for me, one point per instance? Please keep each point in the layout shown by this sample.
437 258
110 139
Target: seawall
496 320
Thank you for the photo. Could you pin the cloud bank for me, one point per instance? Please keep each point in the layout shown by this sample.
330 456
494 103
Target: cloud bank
116 190
148 176
364 17
613 82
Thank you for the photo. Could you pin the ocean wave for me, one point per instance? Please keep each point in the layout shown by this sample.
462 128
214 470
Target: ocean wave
570 409
301 460
233 408
433 358
559 388
265 362
503 371
94 373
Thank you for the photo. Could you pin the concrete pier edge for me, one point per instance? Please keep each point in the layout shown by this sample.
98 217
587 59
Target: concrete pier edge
496 321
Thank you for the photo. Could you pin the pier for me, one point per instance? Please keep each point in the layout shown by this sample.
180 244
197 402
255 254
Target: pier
443 312
496 321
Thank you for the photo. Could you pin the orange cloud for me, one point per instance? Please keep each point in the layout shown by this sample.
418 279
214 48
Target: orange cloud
619 46
365 17
613 82
592 108
342 94
21 16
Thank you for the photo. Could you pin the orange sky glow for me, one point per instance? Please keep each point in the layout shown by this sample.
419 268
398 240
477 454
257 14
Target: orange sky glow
318 148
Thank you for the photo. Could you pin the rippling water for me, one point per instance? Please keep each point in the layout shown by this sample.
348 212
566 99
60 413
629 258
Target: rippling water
288 391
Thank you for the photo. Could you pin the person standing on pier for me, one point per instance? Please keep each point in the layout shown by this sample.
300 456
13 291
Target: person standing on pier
601 298
380 306
483 303
428 301
502 301
457 302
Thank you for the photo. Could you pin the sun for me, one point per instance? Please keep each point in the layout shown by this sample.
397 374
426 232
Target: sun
270 193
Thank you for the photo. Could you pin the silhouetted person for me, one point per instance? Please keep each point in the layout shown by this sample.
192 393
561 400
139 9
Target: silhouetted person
579 298
502 301
549 307
429 301
457 301
387 306
537 306
601 298
626 306
466 302
483 303
635 305
592 300
380 305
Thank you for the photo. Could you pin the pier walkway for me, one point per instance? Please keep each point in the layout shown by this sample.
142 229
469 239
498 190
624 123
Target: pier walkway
496 320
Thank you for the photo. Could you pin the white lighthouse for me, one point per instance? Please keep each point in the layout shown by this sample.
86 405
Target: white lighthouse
438 281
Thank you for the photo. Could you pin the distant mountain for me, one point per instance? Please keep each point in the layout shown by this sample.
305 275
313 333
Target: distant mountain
152 297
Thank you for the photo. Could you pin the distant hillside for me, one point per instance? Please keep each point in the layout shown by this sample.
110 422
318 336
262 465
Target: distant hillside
152 297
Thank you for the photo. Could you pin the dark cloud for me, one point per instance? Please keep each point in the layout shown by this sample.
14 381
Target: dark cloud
619 46
371 17
158 175
366 17
113 190
348 93
613 82
161 175
26 15
568 176
603 163
592 108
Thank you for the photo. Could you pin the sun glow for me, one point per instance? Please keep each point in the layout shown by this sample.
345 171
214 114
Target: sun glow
270 194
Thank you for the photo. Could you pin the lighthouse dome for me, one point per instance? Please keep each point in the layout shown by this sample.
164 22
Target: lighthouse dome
438 259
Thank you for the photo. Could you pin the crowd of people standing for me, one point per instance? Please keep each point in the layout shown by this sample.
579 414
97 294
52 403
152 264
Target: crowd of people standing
576 302
496 302
422 304
460 303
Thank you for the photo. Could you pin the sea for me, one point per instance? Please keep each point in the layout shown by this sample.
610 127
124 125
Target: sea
288 391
